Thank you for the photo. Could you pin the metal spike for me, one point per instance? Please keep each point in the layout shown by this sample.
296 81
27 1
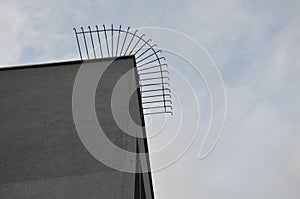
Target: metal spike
149 62
112 40
124 40
86 48
153 78
149 73
118 40
155 52
140 38
156 66
156 84
134 34
92 41
147 42
78 43
157 101
152 113
106 41
99 40
152 107
150 96
151 47
154 90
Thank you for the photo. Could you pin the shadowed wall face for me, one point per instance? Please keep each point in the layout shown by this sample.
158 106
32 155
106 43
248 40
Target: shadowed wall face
41 155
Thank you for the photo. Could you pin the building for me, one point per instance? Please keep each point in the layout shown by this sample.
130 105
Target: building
43 156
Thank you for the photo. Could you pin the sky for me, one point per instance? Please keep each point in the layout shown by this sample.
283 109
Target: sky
255 45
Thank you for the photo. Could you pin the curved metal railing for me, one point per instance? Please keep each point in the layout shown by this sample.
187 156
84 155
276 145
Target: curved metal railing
153 74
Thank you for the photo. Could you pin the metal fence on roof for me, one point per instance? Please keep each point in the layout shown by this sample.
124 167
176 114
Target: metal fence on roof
154 80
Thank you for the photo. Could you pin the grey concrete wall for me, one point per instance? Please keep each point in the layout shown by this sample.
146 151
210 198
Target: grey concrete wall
41 155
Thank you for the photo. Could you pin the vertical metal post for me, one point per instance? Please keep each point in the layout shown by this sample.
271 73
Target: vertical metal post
86 48
92 41
78 43
99 40
112 40
118 40
106 41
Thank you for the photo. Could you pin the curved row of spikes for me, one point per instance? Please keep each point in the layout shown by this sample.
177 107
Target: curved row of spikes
153 74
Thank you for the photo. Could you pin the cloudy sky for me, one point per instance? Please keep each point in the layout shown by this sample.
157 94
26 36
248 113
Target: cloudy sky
255 45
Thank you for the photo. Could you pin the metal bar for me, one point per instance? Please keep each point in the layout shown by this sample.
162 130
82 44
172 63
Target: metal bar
153 90
140 38
149 62
134 34
151 47
153 107
157 96
153 67
153 78
118 40
78 43
86 48
149 73
162 81
160 66
155 52
112 40
150 102
152 113
99 41
92 41
143 85
124 40
146 42
106 41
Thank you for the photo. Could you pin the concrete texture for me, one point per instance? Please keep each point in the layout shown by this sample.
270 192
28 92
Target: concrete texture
41 155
